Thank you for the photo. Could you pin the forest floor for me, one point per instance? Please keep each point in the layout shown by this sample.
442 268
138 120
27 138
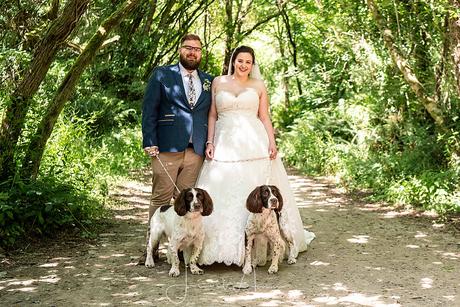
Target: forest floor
364 254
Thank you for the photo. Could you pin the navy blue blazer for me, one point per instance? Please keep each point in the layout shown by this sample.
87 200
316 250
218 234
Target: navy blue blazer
167 118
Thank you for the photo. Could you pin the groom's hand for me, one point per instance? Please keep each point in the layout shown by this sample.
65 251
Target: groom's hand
152 151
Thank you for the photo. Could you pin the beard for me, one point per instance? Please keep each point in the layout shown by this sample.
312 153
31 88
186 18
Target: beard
190 64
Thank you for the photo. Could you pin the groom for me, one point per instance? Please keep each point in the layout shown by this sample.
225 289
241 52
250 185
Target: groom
174 121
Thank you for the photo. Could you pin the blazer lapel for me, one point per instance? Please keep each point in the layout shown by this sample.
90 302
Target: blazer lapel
178 81
202 79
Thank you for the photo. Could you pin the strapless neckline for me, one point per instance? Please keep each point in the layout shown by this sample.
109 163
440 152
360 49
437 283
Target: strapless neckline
246 90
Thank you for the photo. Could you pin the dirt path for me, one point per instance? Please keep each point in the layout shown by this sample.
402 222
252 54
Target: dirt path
364 255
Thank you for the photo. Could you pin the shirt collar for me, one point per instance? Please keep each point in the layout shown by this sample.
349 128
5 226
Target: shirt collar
184 72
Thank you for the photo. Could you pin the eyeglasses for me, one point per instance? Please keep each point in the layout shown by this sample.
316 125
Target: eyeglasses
190 48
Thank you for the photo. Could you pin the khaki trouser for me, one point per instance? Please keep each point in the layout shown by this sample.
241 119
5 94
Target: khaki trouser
183 167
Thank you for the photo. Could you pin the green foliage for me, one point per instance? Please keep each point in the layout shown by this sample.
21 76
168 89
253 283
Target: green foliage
358 119
43 208
349 111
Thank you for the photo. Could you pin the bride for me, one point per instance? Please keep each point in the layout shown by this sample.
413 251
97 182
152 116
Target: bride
241 154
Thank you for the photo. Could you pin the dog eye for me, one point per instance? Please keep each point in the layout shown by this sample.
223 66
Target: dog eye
200 196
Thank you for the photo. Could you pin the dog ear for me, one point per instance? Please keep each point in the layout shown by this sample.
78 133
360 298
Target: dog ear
254 201
207 203
278 195
179 203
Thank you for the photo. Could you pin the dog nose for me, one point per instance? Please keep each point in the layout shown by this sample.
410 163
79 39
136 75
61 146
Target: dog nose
274 202
197 205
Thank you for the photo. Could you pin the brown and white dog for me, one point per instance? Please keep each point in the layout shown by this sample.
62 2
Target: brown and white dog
182 226
266 218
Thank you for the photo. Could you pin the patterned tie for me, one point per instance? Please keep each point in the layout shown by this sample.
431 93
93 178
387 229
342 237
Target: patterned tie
191 91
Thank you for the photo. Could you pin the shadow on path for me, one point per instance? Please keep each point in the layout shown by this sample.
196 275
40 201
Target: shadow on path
364 255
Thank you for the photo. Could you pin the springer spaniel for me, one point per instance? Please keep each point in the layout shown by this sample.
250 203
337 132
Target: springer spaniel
265 203
182 226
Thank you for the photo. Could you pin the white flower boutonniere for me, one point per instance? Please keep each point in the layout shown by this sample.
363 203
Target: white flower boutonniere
206 85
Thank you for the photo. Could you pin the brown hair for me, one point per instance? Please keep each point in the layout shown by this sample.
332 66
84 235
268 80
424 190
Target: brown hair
239 50
190 37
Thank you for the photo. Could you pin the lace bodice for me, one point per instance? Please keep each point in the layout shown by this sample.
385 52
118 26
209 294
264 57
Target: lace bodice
245 103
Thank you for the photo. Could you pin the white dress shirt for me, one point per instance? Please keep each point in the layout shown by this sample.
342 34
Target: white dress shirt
196 81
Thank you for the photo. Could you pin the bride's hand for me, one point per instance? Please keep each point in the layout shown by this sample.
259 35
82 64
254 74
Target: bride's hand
209 151
272 151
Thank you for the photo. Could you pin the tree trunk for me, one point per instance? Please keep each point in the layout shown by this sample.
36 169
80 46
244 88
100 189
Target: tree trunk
428 102
293 44
166 33
229 35
234 32
285 80
161 29
37 144
454 24
20 100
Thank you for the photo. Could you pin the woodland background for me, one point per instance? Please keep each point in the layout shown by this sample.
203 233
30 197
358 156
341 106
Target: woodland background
366 91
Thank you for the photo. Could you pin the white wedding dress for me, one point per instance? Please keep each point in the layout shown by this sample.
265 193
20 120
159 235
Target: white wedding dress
240 164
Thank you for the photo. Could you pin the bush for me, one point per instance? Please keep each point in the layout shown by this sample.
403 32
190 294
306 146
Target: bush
44 208
406 165
71 191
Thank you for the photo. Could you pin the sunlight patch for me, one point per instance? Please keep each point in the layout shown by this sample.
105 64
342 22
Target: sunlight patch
52 279
25 289
49 265
254 296
362 239
449 297
319 263
426 283
295 294
420 235
452 256
338 286
22 282
69 267
126 217
356 298
130 294
141 278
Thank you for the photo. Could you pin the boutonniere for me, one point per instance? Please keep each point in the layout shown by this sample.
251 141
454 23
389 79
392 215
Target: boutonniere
206 85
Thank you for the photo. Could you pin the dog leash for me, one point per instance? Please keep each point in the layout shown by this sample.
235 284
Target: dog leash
167 173
269 174
186 266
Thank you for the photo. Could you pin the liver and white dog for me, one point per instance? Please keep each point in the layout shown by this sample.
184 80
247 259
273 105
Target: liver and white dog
182 226
265 203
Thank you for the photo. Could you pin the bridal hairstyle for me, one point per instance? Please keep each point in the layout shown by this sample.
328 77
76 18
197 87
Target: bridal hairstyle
255 72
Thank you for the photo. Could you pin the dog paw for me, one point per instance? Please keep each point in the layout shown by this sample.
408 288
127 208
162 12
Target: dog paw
196 271
247 269
149 262
174 272
291 261
273 269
